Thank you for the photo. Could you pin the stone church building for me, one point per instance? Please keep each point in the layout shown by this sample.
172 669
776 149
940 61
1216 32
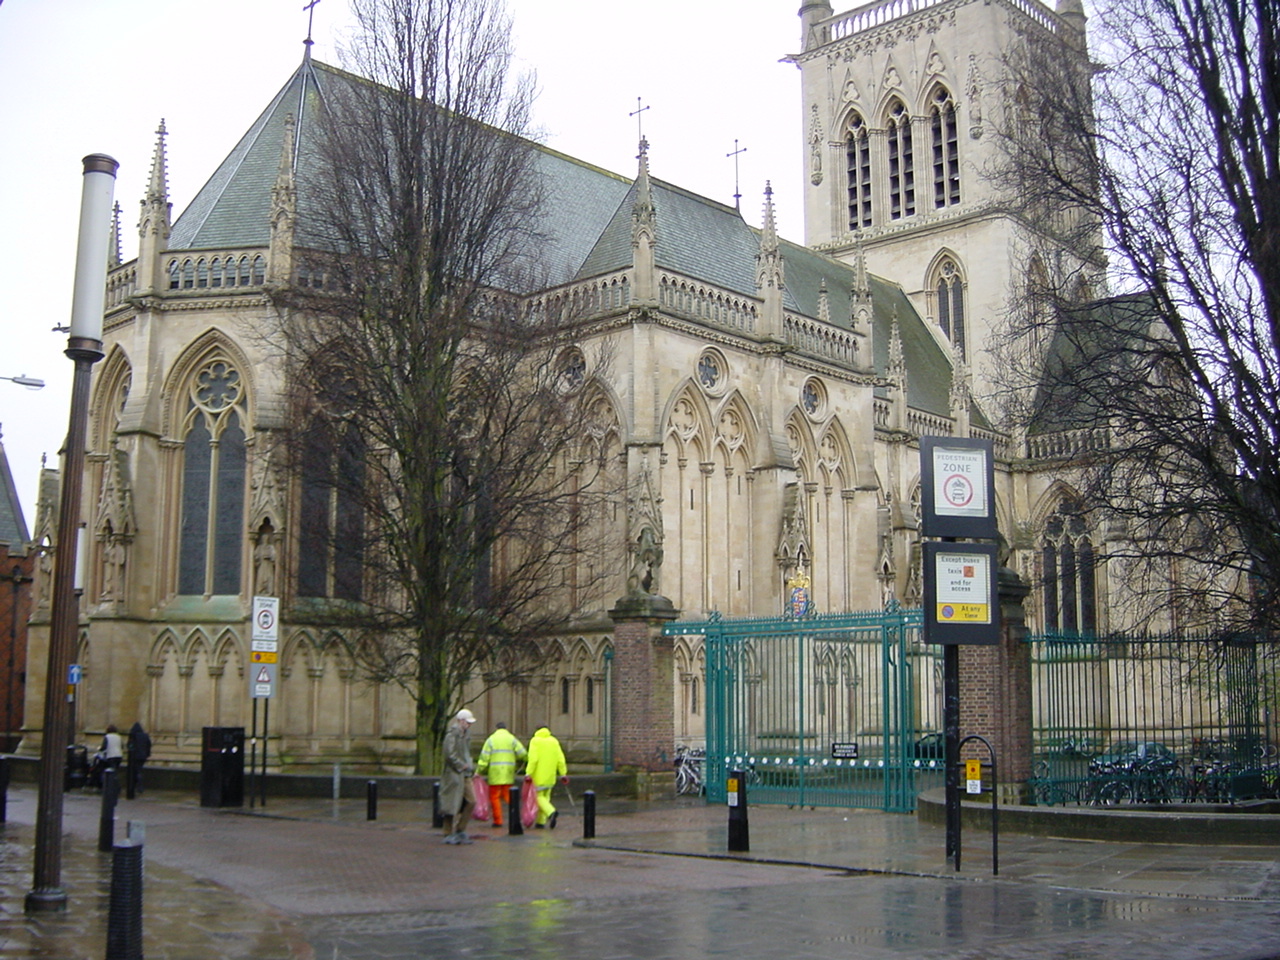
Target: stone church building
765 398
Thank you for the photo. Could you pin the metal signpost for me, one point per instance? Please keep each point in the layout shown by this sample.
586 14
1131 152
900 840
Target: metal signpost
960 601
264 658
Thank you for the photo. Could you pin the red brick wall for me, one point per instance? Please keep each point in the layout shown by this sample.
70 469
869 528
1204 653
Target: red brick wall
15 606
643 696
995 689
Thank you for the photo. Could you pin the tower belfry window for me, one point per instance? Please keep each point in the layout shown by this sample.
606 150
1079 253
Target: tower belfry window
902 177
858 161
946 150
949 292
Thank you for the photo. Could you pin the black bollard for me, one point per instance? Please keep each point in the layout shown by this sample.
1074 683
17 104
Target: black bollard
4 789
589 815
124 915
515 826
371 800
739 835
107 821
437 818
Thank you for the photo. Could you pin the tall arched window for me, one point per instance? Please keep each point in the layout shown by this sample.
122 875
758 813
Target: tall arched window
331 516
948 292
858 160
946 149
213 483
1068 568
902 176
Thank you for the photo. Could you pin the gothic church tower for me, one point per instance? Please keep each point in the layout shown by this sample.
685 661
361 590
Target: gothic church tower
902 101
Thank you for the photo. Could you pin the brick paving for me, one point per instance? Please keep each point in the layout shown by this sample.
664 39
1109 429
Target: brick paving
312 879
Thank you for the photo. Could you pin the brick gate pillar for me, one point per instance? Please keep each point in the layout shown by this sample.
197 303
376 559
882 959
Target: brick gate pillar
643 684
995 691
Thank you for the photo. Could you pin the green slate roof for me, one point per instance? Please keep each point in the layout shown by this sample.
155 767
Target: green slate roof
587 226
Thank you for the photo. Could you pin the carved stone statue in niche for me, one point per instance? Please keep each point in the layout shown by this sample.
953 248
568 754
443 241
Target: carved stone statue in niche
113 565
648 559
264 561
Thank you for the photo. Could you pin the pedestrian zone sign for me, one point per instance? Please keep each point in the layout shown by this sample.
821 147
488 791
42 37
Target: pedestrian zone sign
264 647
957 478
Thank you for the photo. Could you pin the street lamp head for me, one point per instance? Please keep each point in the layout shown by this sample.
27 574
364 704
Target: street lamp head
25 381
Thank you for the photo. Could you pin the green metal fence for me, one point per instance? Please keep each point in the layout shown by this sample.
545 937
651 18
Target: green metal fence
837 710
1153 720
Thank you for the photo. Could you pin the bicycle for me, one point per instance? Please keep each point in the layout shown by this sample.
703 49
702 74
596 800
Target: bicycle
689 774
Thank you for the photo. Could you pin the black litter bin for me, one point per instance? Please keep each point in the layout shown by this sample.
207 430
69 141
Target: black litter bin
222 767
77 772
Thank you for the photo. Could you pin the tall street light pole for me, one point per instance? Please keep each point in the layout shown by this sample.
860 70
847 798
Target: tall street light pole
84 347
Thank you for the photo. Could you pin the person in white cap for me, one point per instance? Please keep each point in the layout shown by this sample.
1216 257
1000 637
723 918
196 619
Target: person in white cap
457 796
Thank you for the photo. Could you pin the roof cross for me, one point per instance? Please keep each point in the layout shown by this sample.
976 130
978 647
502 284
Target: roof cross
636 113
310 10
737 195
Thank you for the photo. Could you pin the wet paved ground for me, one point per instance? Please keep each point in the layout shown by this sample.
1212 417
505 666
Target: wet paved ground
312 880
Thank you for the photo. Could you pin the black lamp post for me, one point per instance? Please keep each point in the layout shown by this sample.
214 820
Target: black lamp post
84 347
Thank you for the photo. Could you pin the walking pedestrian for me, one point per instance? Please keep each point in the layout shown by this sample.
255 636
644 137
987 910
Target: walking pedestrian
545 766
139 752
457 796
497 764
112 748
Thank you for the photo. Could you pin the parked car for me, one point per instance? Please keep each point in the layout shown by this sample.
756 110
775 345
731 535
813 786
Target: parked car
932 746
1135 754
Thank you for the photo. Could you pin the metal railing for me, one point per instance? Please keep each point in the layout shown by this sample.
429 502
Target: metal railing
1153 720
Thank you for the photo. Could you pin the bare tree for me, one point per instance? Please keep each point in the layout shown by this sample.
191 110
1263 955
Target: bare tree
439 422
1156 172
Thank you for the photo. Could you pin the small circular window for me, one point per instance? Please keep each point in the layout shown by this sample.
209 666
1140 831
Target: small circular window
813 398
712 372
573 369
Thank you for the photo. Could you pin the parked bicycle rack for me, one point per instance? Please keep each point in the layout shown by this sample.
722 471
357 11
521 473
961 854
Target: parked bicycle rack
995 806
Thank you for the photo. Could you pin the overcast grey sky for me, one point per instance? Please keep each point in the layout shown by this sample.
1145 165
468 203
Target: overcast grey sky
90 76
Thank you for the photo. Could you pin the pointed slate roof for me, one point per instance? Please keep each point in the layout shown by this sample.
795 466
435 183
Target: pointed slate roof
13 527
587 227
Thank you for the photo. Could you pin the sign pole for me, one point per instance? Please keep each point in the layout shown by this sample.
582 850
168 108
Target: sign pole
253 754
960 598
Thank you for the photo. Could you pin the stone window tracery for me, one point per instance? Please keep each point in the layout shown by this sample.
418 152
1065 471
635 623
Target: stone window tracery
214 461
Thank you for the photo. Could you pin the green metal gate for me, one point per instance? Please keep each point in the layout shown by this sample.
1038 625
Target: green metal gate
835 711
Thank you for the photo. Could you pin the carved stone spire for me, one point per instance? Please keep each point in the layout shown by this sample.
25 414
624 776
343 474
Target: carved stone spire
113 252
824 304
284 209
769 271
961 391
861 316
154 224
644 232
897 374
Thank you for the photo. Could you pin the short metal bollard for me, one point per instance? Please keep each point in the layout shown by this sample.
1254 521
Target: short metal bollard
515 826
437 818
107 820
739 833
371 800
124 916
589 815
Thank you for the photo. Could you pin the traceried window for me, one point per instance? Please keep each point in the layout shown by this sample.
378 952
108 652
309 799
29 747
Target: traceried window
858 160
949 300
331 518
946 150
1068 568
902 177
213 483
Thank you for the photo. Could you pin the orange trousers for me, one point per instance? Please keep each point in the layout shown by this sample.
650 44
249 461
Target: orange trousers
499 795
